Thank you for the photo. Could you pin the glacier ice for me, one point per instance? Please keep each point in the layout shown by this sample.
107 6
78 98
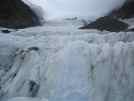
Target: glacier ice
66 64
59 62
27 99
92 72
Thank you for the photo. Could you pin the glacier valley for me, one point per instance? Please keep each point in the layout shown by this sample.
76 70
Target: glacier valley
60 62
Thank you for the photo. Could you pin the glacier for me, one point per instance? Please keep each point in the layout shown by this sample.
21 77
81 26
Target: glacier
59 62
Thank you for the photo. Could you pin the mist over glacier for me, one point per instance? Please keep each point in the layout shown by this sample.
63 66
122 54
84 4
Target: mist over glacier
76 8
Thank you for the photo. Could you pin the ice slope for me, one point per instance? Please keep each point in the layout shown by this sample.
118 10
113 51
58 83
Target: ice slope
66 64
27 99
90 72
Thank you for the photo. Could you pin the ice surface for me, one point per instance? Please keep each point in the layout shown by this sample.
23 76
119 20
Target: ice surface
84 71
27 99
59 62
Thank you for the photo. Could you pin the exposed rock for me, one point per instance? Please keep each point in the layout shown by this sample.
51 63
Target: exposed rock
126 11
33 48
131 30
111 22
107 23
5 31
16 14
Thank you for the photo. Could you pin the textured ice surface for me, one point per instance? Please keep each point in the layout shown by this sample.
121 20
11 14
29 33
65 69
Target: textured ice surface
66 64
27 99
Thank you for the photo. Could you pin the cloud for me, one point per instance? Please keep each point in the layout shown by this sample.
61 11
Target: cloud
79 8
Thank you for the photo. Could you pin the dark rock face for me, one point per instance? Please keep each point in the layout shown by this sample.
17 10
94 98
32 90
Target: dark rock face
131 30
107 23
111 22
16 14
5 31
126 11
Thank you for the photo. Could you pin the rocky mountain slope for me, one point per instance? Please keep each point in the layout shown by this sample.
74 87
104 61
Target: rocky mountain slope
113 21
16 14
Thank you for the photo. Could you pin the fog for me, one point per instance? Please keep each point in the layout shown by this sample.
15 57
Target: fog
76 8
